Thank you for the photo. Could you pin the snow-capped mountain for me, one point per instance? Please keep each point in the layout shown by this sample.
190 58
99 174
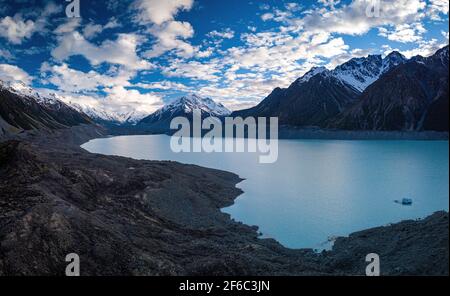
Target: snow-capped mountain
191 102
382 93
359 73
23 108
440 60
160 120
108 117
311 73
27 92
412 96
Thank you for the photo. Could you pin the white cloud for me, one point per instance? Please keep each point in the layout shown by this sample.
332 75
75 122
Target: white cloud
158 12
16 29
291 6
436 8
445 35
330 3
164 85
70 26
224 34
267 16
275 58
91 30
6 54
266 60
86 88
204 53
352 19
119 99
121 51
344 57
193 69
404 33
171 36
424 48
11 73
71 80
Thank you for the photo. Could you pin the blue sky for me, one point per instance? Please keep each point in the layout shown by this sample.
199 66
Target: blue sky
139 54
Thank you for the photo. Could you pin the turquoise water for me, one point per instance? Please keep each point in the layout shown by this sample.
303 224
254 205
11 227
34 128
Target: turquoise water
318 188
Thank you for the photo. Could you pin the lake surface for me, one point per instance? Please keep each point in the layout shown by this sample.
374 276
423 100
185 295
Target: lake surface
318 188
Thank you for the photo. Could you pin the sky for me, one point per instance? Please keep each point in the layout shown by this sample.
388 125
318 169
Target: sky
125 55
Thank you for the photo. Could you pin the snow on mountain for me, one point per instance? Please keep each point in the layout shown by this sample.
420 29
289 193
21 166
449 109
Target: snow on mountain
183 107
311 73
27 92
439 60
55 101
24 108
392 60
410 97
359 73
191 102
362 72
100 115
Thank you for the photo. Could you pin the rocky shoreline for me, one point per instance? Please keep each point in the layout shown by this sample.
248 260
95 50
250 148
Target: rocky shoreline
132 217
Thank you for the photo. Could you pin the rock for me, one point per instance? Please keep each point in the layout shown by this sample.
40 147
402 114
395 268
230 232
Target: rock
164 218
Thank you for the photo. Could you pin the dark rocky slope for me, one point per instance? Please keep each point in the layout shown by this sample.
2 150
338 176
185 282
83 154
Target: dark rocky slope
405 248
305 104
366 94
19 112
159 121
130 217
411 97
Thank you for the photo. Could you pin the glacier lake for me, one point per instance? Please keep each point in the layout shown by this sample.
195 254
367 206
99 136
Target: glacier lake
318 189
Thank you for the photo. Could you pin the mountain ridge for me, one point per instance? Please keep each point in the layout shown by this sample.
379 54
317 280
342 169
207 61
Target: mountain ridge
413 96
160 120
22 108
321 97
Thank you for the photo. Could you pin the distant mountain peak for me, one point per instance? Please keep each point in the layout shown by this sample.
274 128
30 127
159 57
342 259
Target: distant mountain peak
411 97
183 107
311 73
101 115
395 54
192 101
24 108
361 72
25 91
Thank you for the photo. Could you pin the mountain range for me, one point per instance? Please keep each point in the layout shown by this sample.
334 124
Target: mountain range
22 108
369 93
183 107
102 116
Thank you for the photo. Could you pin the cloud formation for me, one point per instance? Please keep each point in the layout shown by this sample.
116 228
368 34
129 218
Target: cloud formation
139 54
158 12
121 51
11 73
16 29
